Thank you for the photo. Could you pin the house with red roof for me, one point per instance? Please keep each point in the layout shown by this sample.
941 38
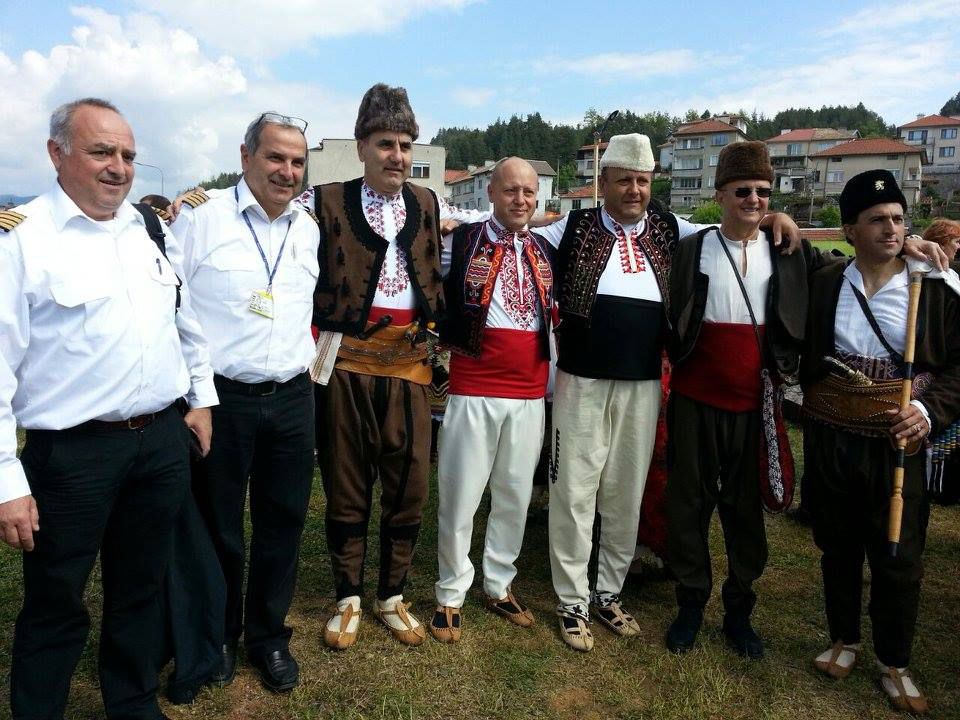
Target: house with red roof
696 150
833 167
939 135
790 149
577 198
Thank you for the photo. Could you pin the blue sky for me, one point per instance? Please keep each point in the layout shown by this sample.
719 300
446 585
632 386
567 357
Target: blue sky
189 76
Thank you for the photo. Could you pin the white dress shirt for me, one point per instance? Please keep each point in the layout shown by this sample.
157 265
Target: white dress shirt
852 331
224 269
87 327
725 303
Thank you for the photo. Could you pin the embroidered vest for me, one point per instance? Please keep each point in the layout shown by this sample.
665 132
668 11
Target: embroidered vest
351 256
474 265
585 249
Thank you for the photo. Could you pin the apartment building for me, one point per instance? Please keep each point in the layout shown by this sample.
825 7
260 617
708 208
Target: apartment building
696 151
939 136
833 167
790 150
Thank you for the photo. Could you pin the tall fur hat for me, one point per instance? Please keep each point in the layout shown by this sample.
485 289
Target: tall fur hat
385 108
743 161
867 189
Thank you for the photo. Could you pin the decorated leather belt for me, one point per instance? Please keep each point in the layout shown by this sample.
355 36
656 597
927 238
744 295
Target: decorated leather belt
858 409
386 351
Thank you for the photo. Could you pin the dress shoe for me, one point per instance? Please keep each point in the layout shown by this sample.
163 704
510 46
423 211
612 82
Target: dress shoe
278 670
223 675
682 633
742 637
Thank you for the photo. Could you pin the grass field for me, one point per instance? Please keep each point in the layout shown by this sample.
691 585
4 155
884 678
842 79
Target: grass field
499 671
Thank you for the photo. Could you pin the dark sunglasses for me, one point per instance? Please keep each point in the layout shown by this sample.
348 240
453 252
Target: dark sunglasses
744 192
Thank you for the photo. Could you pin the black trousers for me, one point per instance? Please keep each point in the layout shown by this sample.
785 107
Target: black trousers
712 460
266 439
848 479
117 492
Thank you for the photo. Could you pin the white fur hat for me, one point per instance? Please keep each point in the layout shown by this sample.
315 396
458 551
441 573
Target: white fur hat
630 152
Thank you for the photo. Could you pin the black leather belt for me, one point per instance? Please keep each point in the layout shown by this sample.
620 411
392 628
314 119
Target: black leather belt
138 422
259 389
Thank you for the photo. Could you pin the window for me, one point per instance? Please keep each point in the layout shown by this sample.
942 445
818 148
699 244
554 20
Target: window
948 151
689 163
896 174
836 158
714 159
835 176
690 144
892 157
710 181
576 204
794 149
825 145
948 134
420 170
920 135
719 140
687 183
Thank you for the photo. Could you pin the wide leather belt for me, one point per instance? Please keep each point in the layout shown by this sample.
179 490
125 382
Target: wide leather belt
260 389
387 352
858 409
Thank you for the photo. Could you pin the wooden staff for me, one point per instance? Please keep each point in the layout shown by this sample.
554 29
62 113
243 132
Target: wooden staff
896 498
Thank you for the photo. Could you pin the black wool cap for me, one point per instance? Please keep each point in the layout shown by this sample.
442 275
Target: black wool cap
867 189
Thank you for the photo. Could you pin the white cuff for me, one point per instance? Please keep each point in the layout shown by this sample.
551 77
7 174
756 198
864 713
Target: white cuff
13 482
203 394
926 416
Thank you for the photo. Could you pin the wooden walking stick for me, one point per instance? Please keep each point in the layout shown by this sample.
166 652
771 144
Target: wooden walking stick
896 498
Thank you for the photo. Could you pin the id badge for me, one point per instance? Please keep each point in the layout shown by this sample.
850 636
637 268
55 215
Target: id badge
261 302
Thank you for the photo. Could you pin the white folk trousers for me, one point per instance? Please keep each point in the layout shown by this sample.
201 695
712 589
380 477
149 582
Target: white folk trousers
603 437
484 439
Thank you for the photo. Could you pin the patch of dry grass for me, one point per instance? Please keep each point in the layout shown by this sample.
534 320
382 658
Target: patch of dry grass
499 671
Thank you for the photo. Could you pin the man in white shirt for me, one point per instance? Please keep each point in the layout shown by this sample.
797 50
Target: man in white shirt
94 355
251 253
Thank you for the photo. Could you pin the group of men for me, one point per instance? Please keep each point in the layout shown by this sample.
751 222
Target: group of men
128 345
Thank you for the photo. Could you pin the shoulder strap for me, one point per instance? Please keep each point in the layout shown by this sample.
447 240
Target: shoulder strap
155 231
875 326
743 289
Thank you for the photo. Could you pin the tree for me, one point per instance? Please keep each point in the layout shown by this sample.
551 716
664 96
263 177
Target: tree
709 213
829 216
952 106
566 174
660 190
223 180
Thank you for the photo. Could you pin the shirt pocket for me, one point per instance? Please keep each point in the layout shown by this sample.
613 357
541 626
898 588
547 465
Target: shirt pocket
84 301
165 281
235 274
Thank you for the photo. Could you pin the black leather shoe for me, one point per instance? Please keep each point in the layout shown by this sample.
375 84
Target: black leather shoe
224 674
743 638
278 670
682 633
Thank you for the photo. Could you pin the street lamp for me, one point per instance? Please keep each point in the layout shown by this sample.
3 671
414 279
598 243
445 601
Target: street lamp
596 152
143 164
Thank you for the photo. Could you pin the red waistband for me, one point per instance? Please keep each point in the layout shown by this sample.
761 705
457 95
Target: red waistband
723 370
512 364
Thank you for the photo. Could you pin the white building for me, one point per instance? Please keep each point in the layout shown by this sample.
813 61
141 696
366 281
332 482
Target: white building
470 191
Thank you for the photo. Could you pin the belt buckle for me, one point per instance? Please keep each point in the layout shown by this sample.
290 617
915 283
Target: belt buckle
271 391
137 423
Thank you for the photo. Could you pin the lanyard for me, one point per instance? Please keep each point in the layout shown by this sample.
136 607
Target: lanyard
283 245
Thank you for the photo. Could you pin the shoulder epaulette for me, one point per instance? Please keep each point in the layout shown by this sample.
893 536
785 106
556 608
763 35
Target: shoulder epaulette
312 214
10 219
163 215
196 198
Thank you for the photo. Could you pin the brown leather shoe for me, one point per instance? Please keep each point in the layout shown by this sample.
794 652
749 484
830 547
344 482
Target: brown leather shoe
511 608
916 704
446 624
831 666
411 634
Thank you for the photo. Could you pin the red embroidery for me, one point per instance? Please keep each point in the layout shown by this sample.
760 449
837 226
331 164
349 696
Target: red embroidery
631 256
519 295
393 275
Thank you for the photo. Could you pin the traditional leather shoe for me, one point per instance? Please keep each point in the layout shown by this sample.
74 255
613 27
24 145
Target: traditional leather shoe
682 633
837 662
903 692
227 670
446 624
510 608
616 619
278 670
575 631
742 638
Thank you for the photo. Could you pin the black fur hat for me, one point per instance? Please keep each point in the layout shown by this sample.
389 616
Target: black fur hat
385 108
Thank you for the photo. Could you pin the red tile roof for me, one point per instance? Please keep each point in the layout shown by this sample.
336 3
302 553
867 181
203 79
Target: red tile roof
581 192
808 134
870 146
932 121
704 126
452 176
603 146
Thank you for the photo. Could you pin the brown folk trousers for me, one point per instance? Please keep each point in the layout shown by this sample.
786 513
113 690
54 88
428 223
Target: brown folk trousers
371 428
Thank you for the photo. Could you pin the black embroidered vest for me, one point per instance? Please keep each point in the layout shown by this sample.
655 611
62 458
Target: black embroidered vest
351 255
474 265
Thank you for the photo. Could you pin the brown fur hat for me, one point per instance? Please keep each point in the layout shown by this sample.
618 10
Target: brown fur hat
743 161
385 108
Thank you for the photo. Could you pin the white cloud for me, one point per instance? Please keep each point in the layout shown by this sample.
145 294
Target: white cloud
472 97
253 29
607 67
895 16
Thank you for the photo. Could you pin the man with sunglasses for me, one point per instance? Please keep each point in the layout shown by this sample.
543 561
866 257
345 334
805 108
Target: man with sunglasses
251 254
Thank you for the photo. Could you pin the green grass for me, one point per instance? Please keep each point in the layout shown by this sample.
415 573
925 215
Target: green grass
827 245
499 671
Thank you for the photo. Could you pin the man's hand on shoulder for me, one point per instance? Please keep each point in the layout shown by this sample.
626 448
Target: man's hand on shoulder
926 250
200 423
783 227
19 520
